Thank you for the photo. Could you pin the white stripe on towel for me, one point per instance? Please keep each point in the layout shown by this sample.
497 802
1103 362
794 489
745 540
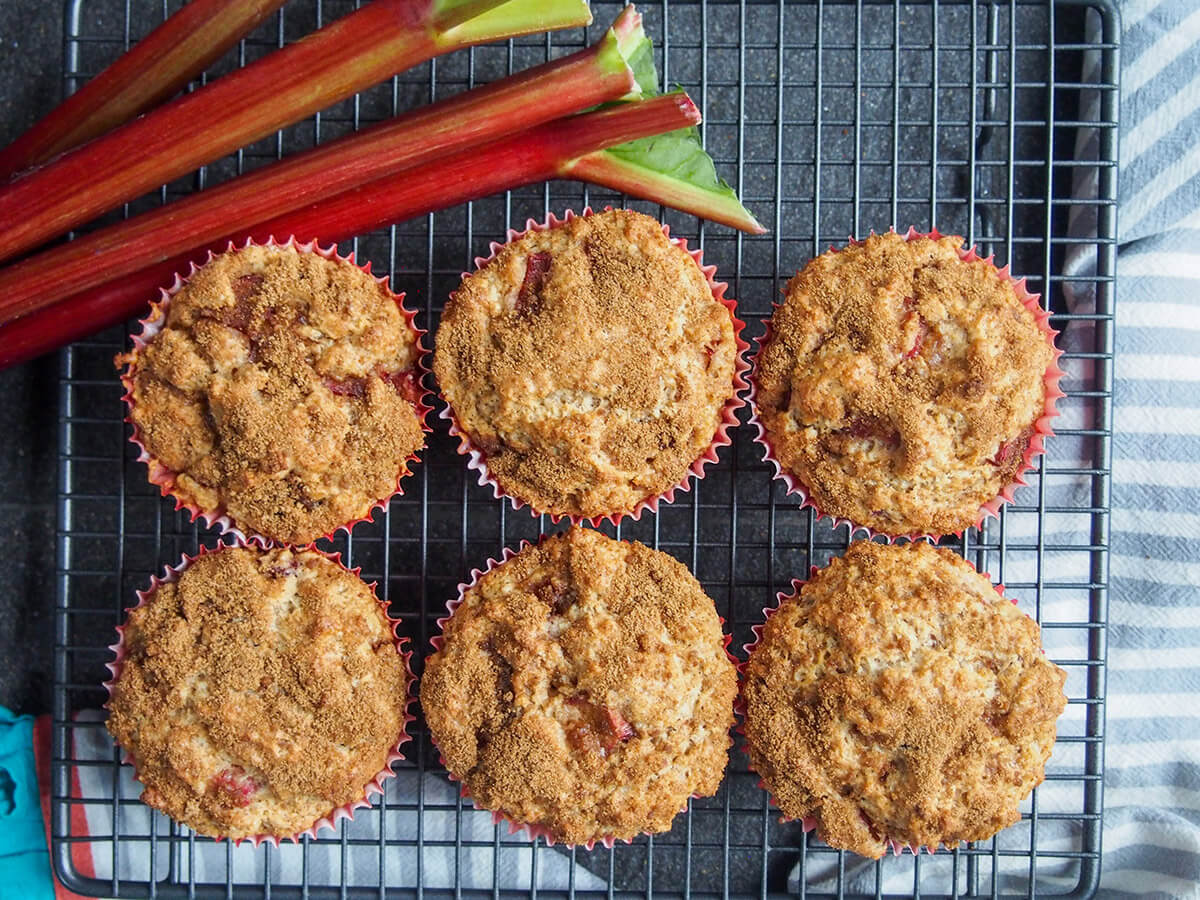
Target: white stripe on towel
1143 881
1139 72
1158 420
1148 706
1160 571
1163 796
1176 316
1161 472
1161 524
1143 615
1161 264
1137 659
1157 367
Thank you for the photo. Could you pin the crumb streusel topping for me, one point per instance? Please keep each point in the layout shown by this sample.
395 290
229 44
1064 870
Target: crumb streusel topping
280 391
901 697
583 686
901 385
259 692
589 362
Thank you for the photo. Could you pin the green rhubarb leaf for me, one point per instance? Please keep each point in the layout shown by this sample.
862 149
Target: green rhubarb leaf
672 169
678 155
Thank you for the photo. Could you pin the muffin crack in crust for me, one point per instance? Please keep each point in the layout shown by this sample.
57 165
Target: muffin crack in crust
589 362
259 692
900 697
583 687
280 391
902 385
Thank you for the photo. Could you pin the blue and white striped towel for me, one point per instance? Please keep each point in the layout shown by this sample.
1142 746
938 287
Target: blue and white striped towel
1152 785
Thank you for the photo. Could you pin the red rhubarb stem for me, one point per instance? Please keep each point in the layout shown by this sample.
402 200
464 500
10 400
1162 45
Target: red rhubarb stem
156 68
546 151
592 76
368 45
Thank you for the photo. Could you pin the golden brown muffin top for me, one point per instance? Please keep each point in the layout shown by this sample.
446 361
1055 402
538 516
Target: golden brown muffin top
583 686
259 692
589 362
900 696
280 391
901 385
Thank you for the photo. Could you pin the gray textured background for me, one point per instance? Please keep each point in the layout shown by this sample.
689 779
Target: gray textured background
30 81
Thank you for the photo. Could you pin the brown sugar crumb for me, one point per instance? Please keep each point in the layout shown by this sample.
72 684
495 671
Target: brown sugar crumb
280 391
900 697
258 693
902 385
583 687
589 362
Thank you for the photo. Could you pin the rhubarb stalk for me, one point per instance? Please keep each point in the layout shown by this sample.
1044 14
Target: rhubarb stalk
672 169
592 76
156 68
368 45
550 150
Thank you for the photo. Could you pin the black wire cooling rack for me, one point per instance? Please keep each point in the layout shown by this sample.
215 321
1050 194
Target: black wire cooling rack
831 119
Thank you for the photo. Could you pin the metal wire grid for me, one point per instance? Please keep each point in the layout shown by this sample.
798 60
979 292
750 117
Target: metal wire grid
831 119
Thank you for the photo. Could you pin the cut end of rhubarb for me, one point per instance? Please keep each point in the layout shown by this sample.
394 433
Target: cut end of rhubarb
628 24
688 107
464 22
671 168
637 50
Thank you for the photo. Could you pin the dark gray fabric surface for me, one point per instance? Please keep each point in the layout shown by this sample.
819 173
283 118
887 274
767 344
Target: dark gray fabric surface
30 81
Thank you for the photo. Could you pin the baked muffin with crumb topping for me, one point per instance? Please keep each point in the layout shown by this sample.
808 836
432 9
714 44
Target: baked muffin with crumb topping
582 688
279 388
901 385
259 692
900 697
589 363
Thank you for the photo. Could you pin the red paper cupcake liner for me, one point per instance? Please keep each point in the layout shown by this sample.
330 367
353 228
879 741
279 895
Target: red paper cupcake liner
1036 444
809 823
532 830
477 459
373 788
164 478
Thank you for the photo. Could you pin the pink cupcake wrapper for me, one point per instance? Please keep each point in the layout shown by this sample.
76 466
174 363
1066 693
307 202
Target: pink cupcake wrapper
477 459
164 478
809 823
373 788
533 830
1034 448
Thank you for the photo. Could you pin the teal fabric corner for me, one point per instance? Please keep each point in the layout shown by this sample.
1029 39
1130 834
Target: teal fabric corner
24 859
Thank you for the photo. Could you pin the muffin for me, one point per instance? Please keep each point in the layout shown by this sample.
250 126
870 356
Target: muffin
582 688
279 388
591 364
899 697
260 694
905 383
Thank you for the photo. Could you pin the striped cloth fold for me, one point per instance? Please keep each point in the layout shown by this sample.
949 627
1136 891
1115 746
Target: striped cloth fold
1152 756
